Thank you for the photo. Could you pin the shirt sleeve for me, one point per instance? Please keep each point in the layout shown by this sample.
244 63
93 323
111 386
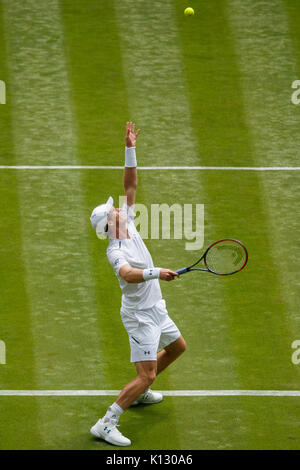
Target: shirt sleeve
117 260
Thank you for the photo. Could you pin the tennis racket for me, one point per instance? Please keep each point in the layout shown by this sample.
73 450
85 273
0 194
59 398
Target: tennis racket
224 257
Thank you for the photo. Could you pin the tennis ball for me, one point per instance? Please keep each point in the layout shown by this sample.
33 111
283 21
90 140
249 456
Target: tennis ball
189 11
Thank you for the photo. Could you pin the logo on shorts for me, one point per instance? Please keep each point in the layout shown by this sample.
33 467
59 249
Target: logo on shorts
146 352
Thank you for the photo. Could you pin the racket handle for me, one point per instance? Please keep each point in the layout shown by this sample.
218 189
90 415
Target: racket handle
182 271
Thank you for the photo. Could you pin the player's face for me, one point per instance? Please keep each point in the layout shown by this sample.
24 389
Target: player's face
117 220
117 216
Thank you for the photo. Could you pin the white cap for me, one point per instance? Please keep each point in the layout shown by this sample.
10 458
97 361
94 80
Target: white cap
99 216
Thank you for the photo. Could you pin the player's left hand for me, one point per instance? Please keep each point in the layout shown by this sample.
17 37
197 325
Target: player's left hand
131 135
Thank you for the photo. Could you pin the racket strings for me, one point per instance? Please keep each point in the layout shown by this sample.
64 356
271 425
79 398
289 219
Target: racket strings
225 257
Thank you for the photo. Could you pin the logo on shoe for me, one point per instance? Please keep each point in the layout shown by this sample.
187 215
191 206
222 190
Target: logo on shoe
107 430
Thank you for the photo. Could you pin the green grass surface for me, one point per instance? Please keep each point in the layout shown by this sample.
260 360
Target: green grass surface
214 423
211 90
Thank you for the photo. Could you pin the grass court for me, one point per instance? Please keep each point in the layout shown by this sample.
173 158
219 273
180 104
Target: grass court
213 90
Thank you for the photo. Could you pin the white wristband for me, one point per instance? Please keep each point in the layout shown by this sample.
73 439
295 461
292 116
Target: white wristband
151 273
130 157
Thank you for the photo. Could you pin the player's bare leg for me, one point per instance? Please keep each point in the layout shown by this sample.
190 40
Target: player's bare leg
146 371
164 359
106 427
170 353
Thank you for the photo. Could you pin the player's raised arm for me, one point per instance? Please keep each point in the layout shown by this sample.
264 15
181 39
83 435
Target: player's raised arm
130 171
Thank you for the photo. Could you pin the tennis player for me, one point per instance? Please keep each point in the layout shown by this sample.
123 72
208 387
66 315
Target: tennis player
143 310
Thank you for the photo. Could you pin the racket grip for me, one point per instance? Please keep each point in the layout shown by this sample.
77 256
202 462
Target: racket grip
182 271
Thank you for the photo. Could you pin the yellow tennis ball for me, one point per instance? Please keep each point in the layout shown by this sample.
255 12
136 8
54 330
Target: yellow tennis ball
189 11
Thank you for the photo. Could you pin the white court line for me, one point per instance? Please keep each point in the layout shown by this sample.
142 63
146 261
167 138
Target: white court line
106 167
170 393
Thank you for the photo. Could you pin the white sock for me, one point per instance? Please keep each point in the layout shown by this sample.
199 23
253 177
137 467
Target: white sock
114 411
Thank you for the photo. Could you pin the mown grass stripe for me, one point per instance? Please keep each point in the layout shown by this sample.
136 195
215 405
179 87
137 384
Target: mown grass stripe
99 101
293 17
13 299
54 223
155 81
267 60
99 96
15 324
268 68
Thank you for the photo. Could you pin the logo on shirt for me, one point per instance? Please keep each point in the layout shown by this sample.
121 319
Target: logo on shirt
117 261
146 352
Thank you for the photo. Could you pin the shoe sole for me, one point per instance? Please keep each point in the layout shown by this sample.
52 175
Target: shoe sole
146 402
100 436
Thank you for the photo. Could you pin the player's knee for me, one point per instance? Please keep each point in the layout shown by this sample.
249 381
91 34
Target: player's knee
148 377
151 376
182 346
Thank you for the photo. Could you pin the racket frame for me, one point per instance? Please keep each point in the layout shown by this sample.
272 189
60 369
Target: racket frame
203 257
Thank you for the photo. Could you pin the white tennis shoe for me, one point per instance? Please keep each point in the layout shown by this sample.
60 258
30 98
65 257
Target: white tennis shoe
108 431
148 398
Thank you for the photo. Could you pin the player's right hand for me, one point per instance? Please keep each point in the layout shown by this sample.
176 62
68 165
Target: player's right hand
167 275
131 135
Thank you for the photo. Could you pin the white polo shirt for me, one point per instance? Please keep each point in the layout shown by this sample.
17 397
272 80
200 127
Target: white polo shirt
133 251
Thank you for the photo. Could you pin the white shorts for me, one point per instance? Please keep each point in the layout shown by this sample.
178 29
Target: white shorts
149 331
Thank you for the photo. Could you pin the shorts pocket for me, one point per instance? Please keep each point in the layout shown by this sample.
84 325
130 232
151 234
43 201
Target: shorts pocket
131 323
